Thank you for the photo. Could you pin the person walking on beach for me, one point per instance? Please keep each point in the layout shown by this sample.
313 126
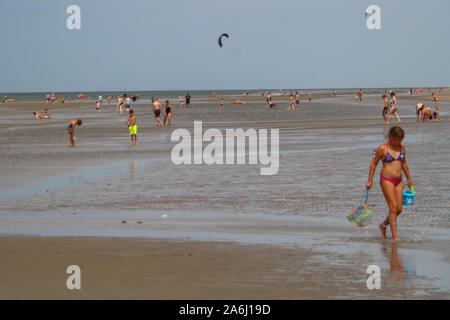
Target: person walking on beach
47 98
394 110
386 109
132 127
109 99
181 101
393 156
221 104
297 100
98 104
436 106
269 100
360 93
188 100
156 106
128 103
71 130
291 101
168 113
119 107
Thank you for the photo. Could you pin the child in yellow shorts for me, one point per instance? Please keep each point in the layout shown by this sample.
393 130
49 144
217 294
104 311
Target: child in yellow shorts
131 123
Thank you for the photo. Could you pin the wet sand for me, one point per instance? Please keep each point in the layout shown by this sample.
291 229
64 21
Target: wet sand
127 268
80 196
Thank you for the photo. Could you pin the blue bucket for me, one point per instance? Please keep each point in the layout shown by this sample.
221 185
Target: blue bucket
408 197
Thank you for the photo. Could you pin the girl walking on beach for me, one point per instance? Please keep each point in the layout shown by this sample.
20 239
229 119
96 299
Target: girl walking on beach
393 156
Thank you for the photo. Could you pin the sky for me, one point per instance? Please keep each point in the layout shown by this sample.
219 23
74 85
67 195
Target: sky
172 45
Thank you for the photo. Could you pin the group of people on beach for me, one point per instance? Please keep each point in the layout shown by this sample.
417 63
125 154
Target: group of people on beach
168 112
294 101
392 153
184 101
423 112
52 98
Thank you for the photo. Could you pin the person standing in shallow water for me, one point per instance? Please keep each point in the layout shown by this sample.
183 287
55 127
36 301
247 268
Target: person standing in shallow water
168 113
188 100
436 106
156 106
386 107
71 130
393 156
221 104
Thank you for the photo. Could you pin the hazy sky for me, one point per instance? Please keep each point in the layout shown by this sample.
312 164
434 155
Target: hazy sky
172 44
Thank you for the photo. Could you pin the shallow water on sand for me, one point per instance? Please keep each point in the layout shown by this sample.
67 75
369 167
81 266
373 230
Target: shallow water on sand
325 152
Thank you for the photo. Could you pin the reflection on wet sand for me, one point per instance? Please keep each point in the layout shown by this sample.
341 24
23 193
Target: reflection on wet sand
396 264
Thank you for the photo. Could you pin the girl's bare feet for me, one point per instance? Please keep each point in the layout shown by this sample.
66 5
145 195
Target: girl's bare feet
383 231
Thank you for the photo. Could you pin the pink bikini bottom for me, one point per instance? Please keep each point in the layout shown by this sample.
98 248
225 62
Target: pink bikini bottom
395 182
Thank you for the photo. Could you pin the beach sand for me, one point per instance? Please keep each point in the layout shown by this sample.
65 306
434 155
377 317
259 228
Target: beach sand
217 232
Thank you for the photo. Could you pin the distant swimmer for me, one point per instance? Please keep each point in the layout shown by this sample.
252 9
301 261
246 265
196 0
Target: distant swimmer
297 100
132 127
71 130
221 104
386 107
436 107
393 156
168 113
394 110
156 106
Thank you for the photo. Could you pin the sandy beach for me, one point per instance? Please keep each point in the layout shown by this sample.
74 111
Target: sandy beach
141 227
